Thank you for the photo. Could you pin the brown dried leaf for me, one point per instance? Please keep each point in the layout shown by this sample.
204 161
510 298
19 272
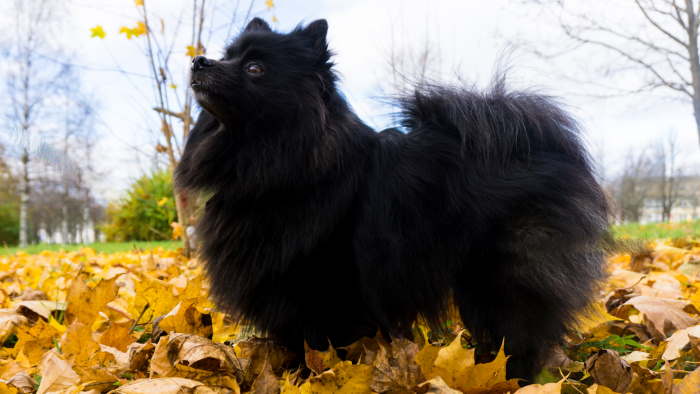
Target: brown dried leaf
139 355
678 341
30 294
436 386
189 356
662 316
607 368
549 388
662 285
173 385
395 368
56 373
9 321
266 382
319 361
690 384
363 350
121 359
252 356
22 382
39 308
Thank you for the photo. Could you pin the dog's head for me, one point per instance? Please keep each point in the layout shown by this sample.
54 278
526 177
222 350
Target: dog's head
265 74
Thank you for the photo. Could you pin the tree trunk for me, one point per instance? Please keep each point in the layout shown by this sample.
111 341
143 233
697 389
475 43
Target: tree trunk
696 112
65 237
694 63
24 199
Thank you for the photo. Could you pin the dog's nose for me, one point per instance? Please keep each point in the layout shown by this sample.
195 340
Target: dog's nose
200 62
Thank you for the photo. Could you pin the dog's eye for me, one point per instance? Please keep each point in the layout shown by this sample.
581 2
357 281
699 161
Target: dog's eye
254 69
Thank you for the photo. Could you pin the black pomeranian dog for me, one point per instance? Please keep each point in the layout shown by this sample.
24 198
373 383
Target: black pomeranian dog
320 229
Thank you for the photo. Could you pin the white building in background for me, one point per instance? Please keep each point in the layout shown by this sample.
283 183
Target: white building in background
85 235
686 206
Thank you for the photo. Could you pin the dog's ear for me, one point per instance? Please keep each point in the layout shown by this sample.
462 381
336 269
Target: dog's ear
316 32
257 24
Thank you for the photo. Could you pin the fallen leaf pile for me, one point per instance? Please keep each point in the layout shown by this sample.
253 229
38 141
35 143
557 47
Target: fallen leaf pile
141 322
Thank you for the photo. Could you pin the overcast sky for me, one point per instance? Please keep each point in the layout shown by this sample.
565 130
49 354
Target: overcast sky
469 38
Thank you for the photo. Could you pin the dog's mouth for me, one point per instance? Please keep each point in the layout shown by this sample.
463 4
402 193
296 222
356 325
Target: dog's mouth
198 82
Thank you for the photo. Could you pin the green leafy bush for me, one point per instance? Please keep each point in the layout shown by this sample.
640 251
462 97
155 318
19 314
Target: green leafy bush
9 205
9 218
145 213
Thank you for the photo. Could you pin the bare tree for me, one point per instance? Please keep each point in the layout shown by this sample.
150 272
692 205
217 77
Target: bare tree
666 50
29 84
651 179
631 189
667 174
175 104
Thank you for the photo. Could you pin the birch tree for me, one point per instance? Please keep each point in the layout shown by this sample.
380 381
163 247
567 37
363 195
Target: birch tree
29 83
664 50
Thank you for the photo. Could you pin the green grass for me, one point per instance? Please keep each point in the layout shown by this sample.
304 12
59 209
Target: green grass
658 230
104 247
625 231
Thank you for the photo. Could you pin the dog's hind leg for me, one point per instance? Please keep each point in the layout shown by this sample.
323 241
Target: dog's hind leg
527 288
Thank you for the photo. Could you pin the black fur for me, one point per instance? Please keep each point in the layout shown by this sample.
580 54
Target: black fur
318 228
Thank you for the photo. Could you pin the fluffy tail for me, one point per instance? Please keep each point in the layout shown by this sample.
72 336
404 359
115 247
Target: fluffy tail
496 126
525 206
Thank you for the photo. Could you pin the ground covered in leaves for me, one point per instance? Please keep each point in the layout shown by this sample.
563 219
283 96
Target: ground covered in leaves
140 322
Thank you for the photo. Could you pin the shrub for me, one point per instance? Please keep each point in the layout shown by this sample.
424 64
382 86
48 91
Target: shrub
9 205
9 218
145 213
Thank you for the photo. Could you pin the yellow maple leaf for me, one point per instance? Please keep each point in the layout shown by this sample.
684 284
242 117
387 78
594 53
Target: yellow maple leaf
345 377
163 201
77 344
193 51
84 302
34 341
457 367
274 19
153 298
126 31
269 4
98 32
138 30
138 2
172 86
223 327
185 318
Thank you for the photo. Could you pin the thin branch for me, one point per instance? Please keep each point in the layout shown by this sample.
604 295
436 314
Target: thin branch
179 115
628 56
678 10
638 40
673 68
658 27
